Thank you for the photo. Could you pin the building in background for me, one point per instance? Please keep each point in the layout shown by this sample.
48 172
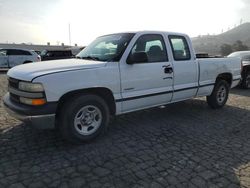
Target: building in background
75 49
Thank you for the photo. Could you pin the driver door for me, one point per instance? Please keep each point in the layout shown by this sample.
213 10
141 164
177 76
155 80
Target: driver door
149 82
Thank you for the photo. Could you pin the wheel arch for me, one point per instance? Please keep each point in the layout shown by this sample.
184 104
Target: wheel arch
245 70
228 77
105 93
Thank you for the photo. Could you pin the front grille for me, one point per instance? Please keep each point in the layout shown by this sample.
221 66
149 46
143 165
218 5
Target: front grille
14 97
13 83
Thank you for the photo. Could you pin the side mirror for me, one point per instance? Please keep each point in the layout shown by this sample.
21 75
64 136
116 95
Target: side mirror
137 57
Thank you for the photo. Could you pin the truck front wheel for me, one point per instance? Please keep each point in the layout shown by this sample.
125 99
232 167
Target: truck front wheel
246 81
83 118
219 96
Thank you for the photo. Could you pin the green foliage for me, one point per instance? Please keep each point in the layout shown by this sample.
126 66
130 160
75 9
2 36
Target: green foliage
239 46
226 49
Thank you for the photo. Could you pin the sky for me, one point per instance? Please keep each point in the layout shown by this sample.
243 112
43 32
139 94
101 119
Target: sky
42 21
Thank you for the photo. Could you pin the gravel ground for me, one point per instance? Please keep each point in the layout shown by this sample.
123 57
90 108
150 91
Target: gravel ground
183 145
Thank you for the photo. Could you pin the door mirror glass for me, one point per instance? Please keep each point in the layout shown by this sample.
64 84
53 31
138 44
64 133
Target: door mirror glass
137 57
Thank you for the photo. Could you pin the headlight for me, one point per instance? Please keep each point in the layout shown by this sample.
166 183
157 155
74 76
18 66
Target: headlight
31 87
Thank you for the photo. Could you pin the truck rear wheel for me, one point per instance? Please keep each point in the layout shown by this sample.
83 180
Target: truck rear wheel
83 118
246 81
219 96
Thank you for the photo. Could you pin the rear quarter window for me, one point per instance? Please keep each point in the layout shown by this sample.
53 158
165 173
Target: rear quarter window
180 48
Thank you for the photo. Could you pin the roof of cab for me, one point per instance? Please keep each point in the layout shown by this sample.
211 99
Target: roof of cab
148 32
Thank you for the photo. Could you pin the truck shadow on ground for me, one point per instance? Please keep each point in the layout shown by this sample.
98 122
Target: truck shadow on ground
240 91
185 144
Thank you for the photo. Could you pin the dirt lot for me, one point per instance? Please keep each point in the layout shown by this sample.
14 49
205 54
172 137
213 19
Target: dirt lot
183 145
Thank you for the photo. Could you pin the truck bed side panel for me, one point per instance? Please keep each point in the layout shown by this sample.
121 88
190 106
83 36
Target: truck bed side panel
212 67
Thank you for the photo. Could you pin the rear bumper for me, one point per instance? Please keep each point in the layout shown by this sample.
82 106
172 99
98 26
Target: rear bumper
42 117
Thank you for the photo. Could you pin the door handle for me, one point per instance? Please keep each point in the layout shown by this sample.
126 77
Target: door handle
168 70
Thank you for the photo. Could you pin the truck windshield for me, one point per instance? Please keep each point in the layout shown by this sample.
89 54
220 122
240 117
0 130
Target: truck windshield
106 48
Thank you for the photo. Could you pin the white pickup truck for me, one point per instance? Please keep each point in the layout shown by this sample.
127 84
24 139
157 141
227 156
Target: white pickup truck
116 74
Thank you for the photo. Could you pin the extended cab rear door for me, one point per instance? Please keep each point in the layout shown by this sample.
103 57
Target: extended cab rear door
148 82
185 68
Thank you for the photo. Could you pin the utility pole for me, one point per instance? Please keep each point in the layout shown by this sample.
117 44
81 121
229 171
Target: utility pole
69 35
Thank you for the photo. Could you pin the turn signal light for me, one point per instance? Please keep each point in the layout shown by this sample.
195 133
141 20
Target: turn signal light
34 102
37 102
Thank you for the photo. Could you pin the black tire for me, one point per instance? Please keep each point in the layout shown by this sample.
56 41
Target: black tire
246 81
219 96
70 130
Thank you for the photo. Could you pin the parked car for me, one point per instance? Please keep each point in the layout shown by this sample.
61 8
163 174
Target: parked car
75 50
116 74
245 58
56 54
12 57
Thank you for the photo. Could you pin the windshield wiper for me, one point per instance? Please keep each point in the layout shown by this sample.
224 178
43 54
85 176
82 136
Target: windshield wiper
90 57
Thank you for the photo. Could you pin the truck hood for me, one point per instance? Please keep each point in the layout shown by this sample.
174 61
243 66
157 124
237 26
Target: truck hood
29 71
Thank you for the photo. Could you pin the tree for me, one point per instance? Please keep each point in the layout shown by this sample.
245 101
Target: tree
225 49
239 46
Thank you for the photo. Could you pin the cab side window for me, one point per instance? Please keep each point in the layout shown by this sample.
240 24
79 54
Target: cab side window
153 46
180 48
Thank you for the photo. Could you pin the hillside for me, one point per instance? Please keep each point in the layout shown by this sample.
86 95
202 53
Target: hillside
211 43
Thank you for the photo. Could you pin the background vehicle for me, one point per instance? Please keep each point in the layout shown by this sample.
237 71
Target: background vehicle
38 52
116 74
245 58
56 54
75 50
12 57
